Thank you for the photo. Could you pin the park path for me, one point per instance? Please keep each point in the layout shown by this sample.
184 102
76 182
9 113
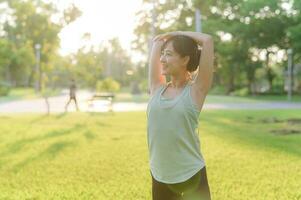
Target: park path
57 105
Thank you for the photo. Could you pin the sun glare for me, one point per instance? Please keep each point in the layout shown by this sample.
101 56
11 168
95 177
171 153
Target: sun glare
103 20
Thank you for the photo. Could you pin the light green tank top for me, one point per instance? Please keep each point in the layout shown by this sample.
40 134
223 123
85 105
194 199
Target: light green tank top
172 137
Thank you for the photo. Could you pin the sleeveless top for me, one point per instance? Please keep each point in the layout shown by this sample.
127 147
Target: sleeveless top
172 137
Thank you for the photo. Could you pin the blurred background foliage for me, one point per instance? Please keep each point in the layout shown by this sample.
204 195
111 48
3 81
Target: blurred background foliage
251 42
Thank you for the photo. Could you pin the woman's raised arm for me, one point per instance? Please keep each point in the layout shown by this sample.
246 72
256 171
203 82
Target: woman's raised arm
155 77
204 78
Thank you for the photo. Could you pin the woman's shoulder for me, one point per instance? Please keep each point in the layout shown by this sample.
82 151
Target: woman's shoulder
156 89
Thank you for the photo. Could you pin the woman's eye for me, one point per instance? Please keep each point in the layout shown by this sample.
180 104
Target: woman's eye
165 54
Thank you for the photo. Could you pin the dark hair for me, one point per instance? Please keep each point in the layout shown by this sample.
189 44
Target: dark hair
186 46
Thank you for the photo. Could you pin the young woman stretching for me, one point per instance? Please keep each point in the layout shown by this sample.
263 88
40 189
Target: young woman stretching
177 166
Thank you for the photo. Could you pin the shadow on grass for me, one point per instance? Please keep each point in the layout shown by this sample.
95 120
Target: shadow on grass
240 131
89 135
18 145
50 153
39 119
96 114
4 117
59 116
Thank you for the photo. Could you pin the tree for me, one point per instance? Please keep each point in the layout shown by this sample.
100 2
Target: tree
108 60
247 25
29 24
5 58
88 65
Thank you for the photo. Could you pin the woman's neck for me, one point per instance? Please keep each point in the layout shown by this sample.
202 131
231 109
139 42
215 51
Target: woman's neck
179 82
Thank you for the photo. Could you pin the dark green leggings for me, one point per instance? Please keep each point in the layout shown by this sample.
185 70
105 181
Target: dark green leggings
197 186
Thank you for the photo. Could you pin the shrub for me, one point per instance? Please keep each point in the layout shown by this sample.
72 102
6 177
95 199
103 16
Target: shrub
4 89
217 90
107 85
240 92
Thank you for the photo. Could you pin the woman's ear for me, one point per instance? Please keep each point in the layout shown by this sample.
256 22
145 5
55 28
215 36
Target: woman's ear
186 60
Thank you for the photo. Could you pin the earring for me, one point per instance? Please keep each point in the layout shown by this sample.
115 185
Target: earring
189 76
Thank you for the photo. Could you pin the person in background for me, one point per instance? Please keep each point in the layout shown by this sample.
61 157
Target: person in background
72 95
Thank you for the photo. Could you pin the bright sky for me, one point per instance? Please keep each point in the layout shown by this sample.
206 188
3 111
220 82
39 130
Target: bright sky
104 19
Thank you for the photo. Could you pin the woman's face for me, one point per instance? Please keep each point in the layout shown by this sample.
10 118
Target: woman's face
172 62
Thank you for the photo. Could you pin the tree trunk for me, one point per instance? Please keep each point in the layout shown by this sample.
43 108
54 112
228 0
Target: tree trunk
47 104
270 77
30 78
231 86
269 72
250 87
251 78
8 74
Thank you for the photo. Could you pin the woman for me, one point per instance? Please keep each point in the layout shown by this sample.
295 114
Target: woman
177 166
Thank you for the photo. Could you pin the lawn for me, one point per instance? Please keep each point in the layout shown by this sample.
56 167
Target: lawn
250 99
249 155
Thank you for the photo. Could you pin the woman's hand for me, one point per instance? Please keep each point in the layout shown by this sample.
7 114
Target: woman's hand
166 36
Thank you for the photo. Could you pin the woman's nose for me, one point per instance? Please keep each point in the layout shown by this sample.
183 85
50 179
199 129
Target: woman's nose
162 59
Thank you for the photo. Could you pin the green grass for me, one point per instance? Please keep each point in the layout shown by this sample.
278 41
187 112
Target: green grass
250 99
18 93
104 156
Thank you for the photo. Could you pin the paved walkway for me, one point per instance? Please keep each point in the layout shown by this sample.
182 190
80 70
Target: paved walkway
57 105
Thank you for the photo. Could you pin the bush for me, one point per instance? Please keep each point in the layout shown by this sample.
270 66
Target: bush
144 85
4 89
240 92
218 90
107 85
135 88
